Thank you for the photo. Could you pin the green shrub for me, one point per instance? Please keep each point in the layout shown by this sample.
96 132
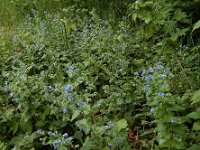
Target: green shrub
72 80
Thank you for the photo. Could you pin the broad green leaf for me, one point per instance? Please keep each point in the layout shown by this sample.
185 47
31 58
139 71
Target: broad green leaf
178 15
134 17
83 125
88 144
194 147
194 115
196 97
149 30
196 26
121 124
196 126
75 114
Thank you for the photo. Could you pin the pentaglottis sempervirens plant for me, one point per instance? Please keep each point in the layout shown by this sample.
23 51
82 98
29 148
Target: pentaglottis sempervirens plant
72 80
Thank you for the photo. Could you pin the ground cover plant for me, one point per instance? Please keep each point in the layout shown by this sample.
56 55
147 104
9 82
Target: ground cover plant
76 76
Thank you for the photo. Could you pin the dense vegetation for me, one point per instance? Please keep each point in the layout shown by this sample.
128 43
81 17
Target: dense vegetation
99 74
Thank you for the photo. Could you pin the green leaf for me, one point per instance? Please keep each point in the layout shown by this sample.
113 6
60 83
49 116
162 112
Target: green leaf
149 30
121 124
88 145
83 125
75 114
194 115
194 147
179 15
196 26
196 97
196 126
134 17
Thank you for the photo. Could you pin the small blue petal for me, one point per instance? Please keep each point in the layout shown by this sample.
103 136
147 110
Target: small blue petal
83 129
152 110
109 145
80 104
39 132
69 98
151 69
164 75
65 135
70 68
172 121
67 88
11 94
160 94
158 67
55 143
143 72
70 138
147 89
65 110
148 78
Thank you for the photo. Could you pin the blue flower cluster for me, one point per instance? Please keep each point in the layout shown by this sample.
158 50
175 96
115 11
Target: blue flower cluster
70 70
64 137
67 91
67 88
11 94
55 143
160 94
65 110
110 145
39 131
151 73
6 86
172 121
80 104
149 76
152 110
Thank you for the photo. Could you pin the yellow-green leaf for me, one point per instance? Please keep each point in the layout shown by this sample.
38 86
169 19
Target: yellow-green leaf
196 126
196 25
196 97
121 124
75 114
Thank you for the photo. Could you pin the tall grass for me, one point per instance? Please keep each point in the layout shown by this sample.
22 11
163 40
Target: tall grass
12 13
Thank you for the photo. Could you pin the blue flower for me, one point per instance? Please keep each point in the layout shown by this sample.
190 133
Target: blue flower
164 75
6 86
69 98
109 145
80 104
172 121
151 69
143 72
55 143
11 94
106 127
147 89
83 129
67 88
65 135
152 110
65 110
158 67
160 94
70 68
70 138
148 78
39 131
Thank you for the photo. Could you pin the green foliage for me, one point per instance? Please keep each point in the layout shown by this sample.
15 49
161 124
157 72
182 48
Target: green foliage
73 77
